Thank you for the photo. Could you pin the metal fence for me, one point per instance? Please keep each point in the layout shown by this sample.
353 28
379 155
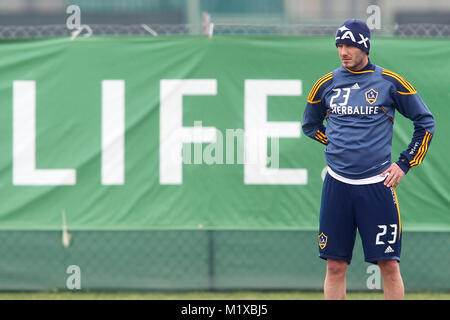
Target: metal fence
60 30
211 260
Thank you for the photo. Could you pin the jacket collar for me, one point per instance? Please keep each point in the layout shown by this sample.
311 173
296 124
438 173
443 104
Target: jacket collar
367 69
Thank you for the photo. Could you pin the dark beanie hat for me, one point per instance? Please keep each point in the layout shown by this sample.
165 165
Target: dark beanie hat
355 33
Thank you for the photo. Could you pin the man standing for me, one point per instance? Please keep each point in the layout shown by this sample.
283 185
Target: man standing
358 101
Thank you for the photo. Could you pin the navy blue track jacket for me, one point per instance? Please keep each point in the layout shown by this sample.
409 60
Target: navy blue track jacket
359 109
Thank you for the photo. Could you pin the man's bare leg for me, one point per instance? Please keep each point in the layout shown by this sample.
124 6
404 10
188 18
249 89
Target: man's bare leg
335 285
392 280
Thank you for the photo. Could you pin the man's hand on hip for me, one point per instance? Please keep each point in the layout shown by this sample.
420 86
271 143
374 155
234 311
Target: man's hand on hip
395 175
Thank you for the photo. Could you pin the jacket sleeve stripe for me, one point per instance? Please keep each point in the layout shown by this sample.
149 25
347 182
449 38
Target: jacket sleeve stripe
406 93
419 160
419 152
320 136
317 86
320 139
422 151
402 80
320 79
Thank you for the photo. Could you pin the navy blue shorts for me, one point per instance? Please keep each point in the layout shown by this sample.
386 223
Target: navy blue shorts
371 208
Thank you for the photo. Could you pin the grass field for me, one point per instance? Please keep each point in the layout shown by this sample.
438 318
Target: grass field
244 295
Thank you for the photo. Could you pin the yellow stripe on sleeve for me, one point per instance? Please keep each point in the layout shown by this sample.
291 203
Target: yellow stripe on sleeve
318 137
317 86
321 134
422 151
313 93
402 80
426 149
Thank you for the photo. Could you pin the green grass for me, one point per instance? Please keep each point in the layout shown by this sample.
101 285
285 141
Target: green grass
241 295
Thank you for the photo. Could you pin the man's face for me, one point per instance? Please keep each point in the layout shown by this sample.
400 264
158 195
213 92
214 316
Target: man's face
352 57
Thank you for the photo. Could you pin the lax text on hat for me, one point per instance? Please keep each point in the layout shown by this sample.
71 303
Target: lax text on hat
354 32
349 35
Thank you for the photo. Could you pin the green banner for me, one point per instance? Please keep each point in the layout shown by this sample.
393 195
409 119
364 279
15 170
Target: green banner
134 132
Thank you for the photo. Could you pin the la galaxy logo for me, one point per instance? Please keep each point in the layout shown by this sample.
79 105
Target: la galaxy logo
371 96
322 241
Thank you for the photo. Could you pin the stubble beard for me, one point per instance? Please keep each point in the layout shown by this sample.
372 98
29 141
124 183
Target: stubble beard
358 64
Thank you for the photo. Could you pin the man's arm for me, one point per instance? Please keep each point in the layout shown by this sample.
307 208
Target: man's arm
410 105
315 111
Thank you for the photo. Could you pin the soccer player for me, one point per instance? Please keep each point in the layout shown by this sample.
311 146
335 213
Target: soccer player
358 102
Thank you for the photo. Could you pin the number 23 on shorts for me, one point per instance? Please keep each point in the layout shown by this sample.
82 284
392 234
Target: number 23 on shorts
383 232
